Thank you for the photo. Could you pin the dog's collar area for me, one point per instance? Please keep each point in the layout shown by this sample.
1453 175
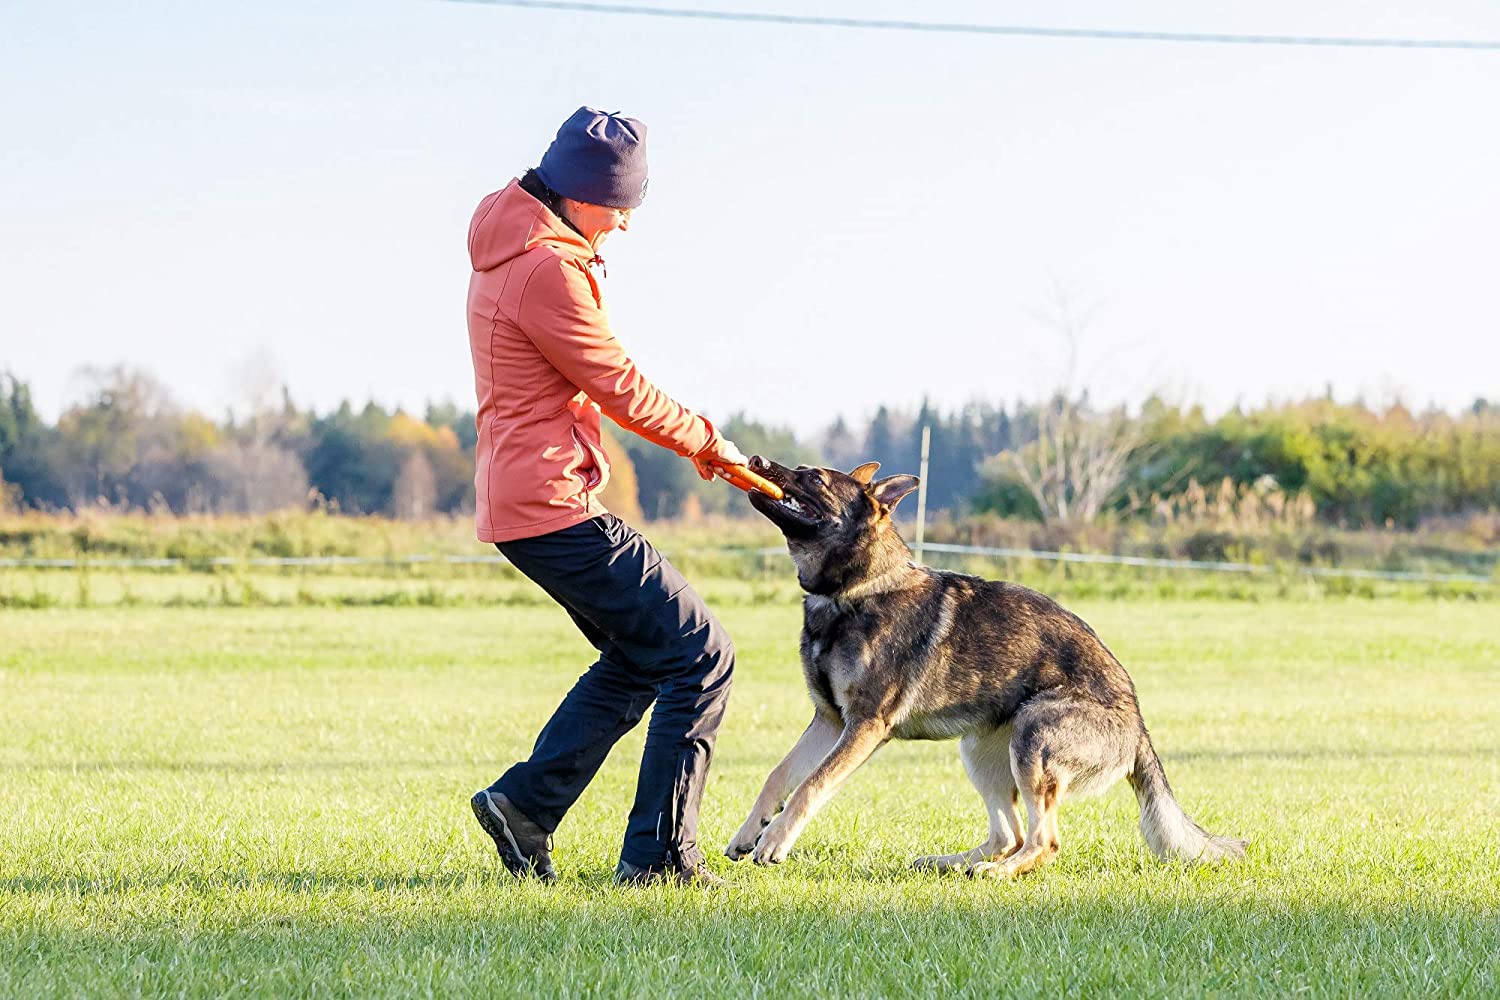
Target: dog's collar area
872 587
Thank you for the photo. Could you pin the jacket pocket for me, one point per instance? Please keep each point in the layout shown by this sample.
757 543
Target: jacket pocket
586 455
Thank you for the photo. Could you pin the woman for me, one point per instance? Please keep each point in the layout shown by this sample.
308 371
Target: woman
545 365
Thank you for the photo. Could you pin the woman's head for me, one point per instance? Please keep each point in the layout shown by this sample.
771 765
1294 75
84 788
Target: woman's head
597 165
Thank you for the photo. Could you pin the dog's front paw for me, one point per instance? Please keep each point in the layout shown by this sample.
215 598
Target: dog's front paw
774 843
738 850
743 842
746 837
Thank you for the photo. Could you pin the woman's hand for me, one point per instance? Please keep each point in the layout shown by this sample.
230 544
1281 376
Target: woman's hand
720 451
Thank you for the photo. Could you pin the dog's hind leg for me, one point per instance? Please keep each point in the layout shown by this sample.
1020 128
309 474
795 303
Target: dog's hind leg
809 750
986 758
1060 743
1042 791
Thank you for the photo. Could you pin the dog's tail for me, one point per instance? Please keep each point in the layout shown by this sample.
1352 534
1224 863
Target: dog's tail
1170 832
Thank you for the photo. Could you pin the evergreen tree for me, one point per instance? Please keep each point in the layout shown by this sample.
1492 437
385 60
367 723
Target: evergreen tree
29 450
839 447
880 439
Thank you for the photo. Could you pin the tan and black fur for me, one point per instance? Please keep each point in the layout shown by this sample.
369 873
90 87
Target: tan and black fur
1041 709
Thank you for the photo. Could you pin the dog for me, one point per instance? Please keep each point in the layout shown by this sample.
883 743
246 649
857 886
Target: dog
891 650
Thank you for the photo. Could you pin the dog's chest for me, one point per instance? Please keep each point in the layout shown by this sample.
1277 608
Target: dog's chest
832 653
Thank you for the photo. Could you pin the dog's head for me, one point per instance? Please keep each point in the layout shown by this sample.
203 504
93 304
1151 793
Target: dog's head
837 524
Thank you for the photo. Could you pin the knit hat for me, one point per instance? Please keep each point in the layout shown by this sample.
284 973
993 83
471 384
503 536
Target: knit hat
599 158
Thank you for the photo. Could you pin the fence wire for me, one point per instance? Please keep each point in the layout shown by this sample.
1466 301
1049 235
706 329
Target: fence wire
1092 558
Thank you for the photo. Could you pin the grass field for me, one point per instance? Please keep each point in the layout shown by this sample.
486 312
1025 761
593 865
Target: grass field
272 800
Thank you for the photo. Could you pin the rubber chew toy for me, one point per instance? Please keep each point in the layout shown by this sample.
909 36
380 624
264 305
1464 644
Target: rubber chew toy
738 475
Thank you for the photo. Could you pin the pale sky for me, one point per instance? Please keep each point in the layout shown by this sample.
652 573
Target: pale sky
837 218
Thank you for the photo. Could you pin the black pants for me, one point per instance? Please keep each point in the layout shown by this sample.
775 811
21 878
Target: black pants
657 641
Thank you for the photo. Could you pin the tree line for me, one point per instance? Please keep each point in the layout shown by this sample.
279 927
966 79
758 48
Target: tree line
127 444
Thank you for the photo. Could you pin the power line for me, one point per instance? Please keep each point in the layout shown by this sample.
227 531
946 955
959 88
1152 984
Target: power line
959 28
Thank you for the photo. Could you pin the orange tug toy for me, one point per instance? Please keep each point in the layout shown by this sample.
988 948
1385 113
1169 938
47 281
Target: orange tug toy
739 475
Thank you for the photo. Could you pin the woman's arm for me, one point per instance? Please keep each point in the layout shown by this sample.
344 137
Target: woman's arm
560 315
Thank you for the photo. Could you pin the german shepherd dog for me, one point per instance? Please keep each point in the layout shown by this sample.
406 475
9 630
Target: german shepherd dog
892 650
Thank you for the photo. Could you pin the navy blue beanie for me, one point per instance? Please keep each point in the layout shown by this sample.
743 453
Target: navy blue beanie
599 158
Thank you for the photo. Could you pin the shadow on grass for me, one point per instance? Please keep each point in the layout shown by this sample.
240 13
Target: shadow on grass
1149 942
1332 753
258 767
211 882
592 878
499 764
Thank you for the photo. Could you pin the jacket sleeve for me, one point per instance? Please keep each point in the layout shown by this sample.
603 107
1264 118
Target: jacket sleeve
560 315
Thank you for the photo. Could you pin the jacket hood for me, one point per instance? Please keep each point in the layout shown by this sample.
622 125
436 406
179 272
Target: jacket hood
510 222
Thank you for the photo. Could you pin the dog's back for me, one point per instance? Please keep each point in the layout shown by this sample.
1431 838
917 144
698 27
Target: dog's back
958 653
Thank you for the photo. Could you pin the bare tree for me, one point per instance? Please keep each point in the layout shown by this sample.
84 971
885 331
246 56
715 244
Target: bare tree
415 493
255 381
256 478
124 414
1077 465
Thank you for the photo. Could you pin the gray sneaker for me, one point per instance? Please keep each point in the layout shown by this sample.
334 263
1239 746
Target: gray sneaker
525 848
696 876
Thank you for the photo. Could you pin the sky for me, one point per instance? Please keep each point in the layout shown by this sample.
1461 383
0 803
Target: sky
837 218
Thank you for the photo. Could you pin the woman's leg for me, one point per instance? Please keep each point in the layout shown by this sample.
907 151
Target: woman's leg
656 638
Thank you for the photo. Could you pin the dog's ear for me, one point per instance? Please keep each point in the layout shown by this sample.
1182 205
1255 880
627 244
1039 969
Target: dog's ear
865 472
891 489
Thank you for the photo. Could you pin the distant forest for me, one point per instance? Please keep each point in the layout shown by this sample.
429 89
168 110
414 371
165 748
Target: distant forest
128 445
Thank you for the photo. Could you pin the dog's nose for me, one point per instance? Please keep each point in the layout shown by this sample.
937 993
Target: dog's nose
758 464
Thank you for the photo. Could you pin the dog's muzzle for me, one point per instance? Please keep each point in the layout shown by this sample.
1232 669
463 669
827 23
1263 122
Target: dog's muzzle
786 510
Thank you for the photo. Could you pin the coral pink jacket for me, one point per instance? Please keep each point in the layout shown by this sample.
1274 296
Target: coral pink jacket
545 365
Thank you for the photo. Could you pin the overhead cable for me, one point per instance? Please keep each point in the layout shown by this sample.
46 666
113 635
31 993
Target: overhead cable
960 28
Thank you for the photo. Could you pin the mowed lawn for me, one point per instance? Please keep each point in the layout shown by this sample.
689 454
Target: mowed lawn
273 801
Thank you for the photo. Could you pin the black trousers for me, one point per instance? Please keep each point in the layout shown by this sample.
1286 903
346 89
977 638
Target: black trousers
657 641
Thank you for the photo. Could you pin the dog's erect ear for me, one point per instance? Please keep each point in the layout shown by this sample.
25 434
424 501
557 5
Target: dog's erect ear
891 489
865 472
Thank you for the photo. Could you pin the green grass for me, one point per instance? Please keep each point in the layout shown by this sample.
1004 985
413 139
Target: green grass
273 801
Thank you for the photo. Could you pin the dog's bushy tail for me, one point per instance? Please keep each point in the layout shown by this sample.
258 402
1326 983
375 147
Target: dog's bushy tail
1170 832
